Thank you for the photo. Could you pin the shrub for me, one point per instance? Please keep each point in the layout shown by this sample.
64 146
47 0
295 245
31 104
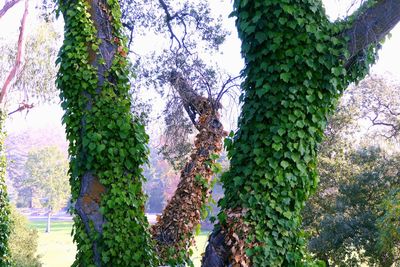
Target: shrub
23 242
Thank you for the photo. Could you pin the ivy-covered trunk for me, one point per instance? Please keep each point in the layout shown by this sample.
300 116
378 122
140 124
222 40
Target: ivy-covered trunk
175 228
297 64
5 221
107 145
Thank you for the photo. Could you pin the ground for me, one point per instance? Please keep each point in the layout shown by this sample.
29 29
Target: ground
57 249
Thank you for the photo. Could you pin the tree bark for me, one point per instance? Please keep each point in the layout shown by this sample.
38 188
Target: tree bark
48 226
371 26
175 227
19 57
107 144
7 6
89 200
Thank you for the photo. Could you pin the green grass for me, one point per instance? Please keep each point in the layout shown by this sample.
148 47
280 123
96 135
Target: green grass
57 249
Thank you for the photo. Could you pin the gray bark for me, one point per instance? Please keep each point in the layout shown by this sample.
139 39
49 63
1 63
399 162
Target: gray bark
371 26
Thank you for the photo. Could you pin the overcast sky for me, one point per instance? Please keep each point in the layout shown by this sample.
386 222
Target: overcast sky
42 117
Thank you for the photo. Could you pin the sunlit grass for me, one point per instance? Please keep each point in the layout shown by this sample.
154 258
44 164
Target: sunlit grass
58 250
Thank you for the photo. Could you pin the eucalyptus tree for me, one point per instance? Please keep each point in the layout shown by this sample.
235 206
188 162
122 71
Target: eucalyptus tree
5 259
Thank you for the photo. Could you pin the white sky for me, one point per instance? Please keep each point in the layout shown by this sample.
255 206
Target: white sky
50 115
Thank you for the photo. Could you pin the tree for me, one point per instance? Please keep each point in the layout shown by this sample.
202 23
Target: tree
193 105
346 232
4 206
18 145
389 237
47 178
203 114
297 64
23 242
344 216
107 144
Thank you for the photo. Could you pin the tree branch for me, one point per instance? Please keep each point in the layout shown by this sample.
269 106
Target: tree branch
18 59
371 26
22 107
7 6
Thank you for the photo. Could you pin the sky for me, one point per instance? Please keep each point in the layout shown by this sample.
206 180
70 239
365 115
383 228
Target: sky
49 115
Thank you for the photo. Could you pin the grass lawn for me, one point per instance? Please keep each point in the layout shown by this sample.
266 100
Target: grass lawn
58 250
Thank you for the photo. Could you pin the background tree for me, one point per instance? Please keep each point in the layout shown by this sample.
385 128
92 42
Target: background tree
297 64
18 80
47 178
4 206
23 242
388 225
343 217
348 233
18 145
193 90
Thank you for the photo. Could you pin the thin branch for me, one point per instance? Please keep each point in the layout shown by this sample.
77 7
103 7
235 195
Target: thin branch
168 20
227 85
7 6
22 107
20 51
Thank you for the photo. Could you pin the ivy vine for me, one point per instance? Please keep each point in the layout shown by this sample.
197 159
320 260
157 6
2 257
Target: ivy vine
105 140
294 74
5 221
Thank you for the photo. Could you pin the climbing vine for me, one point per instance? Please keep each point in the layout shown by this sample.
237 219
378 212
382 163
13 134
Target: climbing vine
175 228
107 145
5 259
294 74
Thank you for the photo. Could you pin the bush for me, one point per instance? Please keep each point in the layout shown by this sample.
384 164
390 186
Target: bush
23 242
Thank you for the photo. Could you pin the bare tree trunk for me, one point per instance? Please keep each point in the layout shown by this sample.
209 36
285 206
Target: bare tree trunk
48 226
175 228
20 55
7 6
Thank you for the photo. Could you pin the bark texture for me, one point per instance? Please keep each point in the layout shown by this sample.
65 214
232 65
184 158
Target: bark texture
175 227
7 6
371 26
88 203
19 57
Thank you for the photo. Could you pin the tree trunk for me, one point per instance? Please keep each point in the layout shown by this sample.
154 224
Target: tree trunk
5 229
288 92
48 222
174 230
107 146
19 57
7 6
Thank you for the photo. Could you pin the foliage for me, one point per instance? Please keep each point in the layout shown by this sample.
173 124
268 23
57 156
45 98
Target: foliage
18 145
37 75
379 105
23 242
294 75
347 232
389 230
105 140
343 218
5 219
47 177
192 34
